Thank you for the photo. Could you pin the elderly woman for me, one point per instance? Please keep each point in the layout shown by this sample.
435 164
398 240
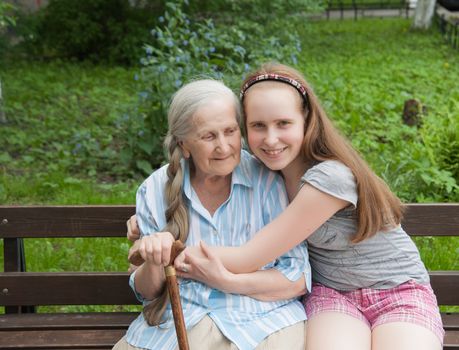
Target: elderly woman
211 191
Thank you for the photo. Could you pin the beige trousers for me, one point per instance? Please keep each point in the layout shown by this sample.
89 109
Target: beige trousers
206 336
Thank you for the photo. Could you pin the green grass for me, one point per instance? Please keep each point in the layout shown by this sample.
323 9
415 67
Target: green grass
363 71
64 117
63 136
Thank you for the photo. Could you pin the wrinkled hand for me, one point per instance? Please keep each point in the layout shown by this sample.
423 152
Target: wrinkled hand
133 232
156 249
201 264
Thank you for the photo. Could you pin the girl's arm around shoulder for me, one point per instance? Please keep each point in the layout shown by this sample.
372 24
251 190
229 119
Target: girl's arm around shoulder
306 213
264 285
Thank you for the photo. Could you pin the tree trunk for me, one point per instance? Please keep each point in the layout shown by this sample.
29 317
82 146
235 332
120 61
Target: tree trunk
423 14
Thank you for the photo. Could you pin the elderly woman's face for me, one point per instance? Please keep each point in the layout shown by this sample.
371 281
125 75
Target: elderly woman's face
215 142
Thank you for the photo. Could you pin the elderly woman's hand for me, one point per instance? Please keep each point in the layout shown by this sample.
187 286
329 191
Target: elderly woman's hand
201 264
133 232
156 248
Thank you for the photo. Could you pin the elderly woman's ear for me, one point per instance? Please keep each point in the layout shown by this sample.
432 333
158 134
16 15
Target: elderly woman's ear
186 154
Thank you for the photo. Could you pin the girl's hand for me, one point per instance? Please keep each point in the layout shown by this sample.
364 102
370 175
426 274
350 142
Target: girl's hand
156 248
201 264
181 262
133 232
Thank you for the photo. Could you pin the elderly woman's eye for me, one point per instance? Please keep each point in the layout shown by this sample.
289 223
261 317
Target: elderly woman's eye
208 137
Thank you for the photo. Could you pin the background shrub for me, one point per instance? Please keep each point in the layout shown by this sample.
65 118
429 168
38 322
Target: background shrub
182 48
7 19
98 30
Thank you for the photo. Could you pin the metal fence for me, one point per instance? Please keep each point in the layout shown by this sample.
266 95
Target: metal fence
449 28
373 8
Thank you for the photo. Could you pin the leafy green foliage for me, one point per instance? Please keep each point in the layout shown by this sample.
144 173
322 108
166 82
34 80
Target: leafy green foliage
62 118
6 18
180 50
364 77
97 30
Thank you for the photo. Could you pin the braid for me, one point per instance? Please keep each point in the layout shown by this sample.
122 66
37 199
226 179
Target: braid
177 222
176 212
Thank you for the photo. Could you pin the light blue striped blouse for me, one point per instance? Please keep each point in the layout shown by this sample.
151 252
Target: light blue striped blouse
257 197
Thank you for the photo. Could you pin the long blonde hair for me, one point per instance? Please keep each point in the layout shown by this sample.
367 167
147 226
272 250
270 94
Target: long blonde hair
377 208
185 103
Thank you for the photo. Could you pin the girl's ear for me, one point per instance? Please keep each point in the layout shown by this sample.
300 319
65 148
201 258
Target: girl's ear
185 152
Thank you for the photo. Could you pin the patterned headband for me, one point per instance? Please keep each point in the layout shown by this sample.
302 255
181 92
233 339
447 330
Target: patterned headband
275 77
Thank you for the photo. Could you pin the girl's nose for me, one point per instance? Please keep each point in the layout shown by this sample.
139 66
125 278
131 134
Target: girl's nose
271 137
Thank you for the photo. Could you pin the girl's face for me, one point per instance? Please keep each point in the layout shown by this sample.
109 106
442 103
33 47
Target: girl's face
275 124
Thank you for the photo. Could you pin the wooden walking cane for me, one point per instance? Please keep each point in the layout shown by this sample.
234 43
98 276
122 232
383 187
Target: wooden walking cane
173 290
174 295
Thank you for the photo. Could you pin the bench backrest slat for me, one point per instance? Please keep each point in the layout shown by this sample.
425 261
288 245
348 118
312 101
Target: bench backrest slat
432 219
110 221
444 283
97 288
66 288
67 221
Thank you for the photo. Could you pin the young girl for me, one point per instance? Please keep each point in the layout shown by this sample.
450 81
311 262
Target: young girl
371 289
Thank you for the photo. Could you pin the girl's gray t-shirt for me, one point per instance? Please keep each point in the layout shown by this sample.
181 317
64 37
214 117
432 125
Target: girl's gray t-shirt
383 261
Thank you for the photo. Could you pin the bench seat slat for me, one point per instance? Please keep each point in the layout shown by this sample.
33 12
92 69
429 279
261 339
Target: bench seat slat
75 288
64 339
60 321
451 340
95 339
118 320
450 320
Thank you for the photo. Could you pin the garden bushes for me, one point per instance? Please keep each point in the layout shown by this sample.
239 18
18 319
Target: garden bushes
97 30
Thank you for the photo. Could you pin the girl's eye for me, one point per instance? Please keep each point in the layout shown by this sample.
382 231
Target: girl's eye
284 123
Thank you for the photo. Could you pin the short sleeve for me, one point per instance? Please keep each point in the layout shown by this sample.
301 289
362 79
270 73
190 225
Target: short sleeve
132 285
333 178
145 218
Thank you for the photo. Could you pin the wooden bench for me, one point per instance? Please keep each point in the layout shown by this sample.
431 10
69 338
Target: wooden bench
21 291
360 6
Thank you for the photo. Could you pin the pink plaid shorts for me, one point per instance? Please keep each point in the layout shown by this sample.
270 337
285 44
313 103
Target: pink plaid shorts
410 302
